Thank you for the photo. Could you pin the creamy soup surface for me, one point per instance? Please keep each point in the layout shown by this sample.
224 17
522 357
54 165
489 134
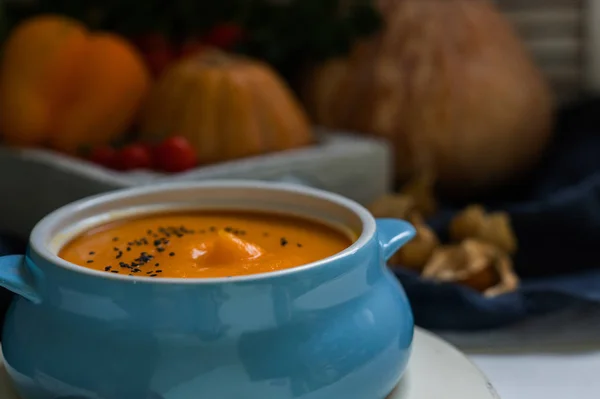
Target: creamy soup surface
204 244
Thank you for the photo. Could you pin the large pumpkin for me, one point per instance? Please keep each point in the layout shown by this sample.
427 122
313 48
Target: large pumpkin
227 106
449 83
64 87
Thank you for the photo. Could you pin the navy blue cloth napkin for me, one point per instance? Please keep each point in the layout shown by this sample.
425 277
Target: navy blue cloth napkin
555 212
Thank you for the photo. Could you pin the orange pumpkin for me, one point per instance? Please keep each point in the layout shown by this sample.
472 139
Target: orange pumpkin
449 84
227 107
62 86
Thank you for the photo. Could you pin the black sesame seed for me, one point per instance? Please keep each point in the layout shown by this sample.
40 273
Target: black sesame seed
107 268
114 271
150 272
115 249
119 255
144 258
157 242
171 253
160 249
283 241
115 239
128 248
153 275
159 271
157 264
90 261
299 245
92 253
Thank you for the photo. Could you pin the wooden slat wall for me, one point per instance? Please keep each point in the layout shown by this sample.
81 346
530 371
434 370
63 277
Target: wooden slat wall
553 30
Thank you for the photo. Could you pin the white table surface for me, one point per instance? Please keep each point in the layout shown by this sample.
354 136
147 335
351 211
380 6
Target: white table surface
543 376
552 357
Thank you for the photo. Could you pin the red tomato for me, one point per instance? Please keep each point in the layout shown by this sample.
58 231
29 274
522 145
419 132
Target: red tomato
224 36
135 156
175 154
104 156
157 52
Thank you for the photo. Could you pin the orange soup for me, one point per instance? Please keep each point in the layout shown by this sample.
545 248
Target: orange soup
204 244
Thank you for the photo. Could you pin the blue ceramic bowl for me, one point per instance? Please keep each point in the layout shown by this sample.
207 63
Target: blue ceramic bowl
337 328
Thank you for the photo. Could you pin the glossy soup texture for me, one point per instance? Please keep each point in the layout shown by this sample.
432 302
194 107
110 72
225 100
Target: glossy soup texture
204 244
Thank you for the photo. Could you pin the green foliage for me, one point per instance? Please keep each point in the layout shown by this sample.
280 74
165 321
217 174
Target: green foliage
286 33
306 30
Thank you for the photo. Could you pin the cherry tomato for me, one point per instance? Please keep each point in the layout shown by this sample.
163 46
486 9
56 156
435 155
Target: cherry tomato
135 156
175 154
224 36
104 156
157 52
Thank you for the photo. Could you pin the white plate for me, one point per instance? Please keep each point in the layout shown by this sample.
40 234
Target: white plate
437 370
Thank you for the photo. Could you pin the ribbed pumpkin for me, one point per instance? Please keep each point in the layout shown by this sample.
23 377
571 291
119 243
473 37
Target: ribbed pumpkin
227 106
449 84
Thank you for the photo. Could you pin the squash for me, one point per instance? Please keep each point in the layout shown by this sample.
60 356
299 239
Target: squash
449 84
64 87
227 106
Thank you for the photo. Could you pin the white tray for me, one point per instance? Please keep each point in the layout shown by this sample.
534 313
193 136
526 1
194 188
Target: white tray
35 182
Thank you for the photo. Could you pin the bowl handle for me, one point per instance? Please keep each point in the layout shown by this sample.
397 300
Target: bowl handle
15 277
392 234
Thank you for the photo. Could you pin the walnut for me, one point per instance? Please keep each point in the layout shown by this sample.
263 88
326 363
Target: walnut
415 254
393 206
421 190
493 228
479 265
417 196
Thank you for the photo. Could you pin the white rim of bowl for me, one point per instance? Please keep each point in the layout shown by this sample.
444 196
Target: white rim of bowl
44 227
